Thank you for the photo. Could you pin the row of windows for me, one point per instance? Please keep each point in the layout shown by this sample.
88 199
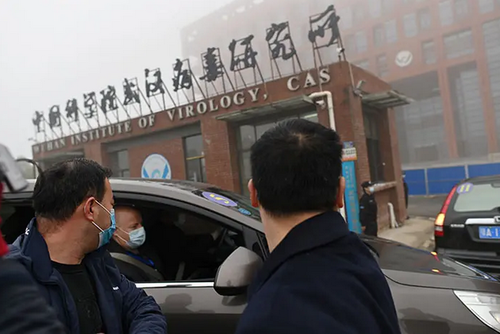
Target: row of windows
450 11
456 45
248 134
195 160
367 8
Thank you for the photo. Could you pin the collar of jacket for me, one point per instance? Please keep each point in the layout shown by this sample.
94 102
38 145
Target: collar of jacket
33 248
311 233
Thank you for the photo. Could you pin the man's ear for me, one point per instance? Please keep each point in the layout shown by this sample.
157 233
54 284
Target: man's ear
340 194
88 209
253 194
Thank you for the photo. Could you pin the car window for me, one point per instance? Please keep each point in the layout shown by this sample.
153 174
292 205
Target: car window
478 197
15 218
184 245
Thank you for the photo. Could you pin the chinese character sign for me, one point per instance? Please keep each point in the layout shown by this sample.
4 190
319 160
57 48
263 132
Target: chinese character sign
323 23
54 117
280 42
131 92
37 121
212 65
154 82
182 77
90 105
247 56
72 110
108 99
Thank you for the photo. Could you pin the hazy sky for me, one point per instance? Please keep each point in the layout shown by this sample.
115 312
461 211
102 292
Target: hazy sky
54 50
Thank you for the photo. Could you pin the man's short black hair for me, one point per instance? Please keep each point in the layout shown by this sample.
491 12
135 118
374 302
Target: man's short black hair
60 189
296 167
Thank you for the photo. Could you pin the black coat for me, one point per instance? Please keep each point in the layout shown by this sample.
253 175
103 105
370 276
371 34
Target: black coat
368 209
22 308
320 279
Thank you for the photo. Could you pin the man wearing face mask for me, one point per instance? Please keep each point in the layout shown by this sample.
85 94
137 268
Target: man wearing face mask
132 255
63 250
368 210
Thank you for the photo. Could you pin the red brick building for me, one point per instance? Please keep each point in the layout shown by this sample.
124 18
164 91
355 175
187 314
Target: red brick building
445 54
209 140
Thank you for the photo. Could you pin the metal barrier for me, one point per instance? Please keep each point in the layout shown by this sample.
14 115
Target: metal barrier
440 180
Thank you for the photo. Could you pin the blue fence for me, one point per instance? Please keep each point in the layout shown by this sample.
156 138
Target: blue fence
440 180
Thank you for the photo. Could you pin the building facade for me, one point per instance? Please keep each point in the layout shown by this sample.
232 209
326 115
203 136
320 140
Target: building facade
209 140
445 54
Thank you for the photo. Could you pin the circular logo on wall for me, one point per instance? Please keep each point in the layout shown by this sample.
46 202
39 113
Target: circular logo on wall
156 166
404 58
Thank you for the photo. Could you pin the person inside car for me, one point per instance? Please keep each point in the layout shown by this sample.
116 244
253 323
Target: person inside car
63 249
132 254
319 276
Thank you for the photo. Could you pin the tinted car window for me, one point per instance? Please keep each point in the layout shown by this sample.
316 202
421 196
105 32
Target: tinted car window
479 197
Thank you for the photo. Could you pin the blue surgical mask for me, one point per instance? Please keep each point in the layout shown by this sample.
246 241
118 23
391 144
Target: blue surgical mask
106 235
372 189
137 237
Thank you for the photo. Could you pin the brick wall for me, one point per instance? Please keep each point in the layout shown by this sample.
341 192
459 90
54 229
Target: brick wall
220 142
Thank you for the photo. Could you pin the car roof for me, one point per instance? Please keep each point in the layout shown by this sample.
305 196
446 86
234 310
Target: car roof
184 191
483 179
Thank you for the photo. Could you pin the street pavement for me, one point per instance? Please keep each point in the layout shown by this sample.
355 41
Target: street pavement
425 206
415 232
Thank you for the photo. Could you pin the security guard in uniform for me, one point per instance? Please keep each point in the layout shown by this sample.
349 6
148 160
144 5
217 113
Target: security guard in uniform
368 210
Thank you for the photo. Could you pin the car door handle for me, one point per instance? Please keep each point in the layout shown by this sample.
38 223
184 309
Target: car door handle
175 285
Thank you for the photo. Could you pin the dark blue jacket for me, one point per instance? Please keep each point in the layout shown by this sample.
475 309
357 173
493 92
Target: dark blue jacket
124 308
320 279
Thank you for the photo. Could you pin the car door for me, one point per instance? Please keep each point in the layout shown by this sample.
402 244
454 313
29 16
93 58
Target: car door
193 306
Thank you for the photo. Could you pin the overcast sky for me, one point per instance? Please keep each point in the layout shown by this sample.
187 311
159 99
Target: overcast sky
54 50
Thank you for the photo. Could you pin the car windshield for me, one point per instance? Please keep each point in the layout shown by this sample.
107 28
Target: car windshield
479 197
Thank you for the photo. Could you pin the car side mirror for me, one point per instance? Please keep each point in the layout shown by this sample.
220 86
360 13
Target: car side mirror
237 272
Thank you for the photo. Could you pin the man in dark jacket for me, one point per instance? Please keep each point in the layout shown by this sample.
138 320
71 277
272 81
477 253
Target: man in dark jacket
22 308
319 277
368 210
63 250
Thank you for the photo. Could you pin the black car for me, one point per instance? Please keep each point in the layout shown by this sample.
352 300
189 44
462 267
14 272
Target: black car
432 294
468 225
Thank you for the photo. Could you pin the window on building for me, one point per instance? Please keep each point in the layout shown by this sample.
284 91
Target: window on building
195 159
364 64
358 13
467 103
361 42
378 35
486 6
375 8
382 66
387 5
410 25
373 146
350 44
391 32
491 34
429 52
461 9
459 44
119 163
446 12
346 18
249 133
425 19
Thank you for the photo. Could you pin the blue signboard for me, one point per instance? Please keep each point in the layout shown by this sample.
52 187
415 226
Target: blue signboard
351 196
